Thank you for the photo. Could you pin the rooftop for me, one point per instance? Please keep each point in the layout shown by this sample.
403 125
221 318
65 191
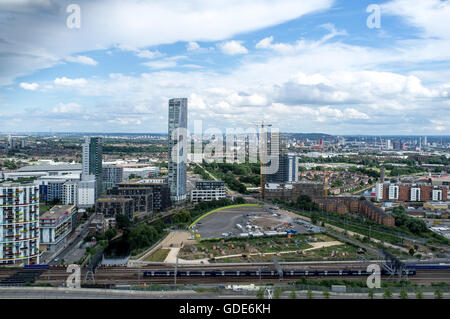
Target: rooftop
113 199
47 167
57 211
16 184
143 182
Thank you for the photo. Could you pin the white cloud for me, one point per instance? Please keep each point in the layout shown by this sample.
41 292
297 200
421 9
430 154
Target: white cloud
70 82
300 45
149 54
265 43
165 63
82 59
431 16
29 86
68 108
39 39
192 46
233 47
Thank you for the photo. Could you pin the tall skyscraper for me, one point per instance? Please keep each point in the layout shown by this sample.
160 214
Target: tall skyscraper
287 171
92 162
177 148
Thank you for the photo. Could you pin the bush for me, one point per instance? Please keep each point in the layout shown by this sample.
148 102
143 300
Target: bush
403 294
293 295
260 293
419 294
277 293
387 294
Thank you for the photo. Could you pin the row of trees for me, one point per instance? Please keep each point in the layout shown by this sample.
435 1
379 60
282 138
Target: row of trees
403 220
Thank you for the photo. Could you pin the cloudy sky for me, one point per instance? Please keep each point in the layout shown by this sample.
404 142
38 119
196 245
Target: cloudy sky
304 66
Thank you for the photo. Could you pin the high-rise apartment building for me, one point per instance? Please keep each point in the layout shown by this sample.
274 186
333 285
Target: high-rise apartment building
177 148
92 162
19 223
111 175
287 171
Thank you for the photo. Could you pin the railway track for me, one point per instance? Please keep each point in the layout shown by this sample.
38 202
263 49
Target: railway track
135 276
212 273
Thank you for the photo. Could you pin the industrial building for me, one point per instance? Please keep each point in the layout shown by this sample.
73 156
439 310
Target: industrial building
19 223
43 170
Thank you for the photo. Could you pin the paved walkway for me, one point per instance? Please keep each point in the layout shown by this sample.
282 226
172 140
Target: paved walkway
318 245
172 258
176 239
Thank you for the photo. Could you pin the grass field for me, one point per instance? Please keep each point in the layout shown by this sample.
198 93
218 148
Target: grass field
159 255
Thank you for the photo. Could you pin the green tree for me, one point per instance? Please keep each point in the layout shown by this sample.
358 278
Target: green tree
110 233
183 216
309 294
293 295
326 294
277 293
260 293
371 294
387 294
437 294
122 221
403 294
419 294
314 218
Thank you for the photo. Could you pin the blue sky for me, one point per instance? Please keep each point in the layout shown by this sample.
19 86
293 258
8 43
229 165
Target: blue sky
304 66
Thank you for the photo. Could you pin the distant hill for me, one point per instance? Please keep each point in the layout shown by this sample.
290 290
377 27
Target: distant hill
311 136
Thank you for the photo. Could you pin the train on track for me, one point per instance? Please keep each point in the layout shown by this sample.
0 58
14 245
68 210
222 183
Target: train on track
264 273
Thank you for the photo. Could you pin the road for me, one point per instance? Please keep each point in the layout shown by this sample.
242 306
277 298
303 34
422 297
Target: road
83 231
64 293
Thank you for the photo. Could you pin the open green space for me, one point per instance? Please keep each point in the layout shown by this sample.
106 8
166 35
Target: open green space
159 255
275 245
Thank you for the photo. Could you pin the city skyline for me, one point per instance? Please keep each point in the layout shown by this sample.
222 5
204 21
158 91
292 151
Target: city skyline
312 67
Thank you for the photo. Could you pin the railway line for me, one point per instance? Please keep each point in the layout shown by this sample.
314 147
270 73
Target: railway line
227 274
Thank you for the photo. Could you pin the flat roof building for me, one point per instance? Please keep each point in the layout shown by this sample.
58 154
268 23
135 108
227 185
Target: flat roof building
55 226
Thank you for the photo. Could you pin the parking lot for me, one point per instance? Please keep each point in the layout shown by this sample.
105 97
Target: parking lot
247 221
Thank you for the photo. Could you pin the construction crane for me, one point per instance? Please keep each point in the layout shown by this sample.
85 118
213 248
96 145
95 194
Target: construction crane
261 186
325 175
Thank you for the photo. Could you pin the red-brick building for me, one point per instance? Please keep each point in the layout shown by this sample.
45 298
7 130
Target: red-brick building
348 205
409 192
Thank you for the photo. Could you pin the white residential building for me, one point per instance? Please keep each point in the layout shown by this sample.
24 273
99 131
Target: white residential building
19 223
